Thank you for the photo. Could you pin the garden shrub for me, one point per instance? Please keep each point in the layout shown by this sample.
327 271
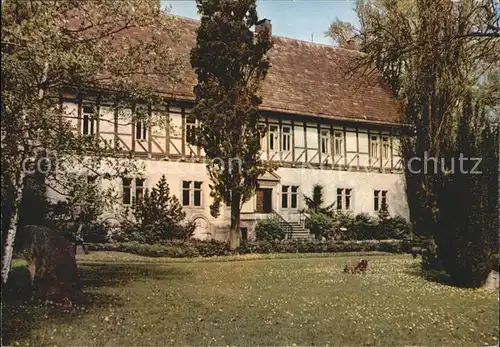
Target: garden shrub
321 225
394 228
343 226
269 230
364 227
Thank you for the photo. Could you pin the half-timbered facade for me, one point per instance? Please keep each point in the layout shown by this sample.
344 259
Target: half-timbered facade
325 125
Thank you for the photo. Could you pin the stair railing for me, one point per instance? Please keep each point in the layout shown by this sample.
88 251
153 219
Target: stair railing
305 219
283 223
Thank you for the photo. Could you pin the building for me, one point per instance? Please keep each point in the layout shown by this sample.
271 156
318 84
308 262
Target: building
326 124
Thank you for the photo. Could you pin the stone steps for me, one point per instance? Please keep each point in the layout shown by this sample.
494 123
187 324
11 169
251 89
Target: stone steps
299 232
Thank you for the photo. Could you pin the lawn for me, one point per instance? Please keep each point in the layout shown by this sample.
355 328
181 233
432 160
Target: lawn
249 300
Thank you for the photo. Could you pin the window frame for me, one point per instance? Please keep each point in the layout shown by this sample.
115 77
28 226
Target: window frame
135 191
338 146
127 186
188 190
374 142
89 120
139 189
141 126
284 197
273 136
325 141
192 192
294 195
386 147
197 190
190 128
379 198
286 138
141 130
290 197
344 199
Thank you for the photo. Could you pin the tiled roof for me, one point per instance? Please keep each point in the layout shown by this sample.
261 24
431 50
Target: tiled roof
305 78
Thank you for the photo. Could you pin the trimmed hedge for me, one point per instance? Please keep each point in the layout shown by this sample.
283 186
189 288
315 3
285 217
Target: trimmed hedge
196 248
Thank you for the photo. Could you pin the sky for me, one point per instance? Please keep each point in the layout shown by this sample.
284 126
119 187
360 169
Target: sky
299 19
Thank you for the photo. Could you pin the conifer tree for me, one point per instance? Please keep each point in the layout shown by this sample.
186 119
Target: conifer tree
159 215
231 63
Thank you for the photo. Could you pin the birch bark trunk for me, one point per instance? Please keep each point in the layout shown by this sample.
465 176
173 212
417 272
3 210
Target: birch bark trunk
11 233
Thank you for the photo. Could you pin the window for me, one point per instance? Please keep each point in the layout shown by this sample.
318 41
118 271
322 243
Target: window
339 144
190 129
273 130
127 191
140 130
379 199
128 187
285 138
186 187
284 196
386 147
347 201
139 189
325 142
344 199
191 193
89 120
289 196
374 150
294 197
197 194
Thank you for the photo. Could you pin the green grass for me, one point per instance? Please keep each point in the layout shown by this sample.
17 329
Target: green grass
261 300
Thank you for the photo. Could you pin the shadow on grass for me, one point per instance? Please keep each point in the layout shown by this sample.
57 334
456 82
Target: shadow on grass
432 275
21 313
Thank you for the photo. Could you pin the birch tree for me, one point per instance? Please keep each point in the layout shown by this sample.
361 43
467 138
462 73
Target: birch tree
85 45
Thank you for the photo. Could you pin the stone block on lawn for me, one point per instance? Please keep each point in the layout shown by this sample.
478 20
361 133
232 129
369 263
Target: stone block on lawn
52 265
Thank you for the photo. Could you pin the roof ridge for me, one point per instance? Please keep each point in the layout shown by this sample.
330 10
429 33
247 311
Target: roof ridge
279 36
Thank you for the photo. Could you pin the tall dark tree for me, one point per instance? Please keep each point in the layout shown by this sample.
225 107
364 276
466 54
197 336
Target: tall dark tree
231 63
438 57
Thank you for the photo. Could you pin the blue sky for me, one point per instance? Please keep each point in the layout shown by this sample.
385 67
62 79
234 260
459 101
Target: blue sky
291 18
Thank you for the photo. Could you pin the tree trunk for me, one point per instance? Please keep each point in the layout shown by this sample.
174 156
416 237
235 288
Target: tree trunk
14 217
11 233
235 232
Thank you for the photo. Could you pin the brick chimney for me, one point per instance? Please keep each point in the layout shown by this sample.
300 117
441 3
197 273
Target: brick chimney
351 44
264 25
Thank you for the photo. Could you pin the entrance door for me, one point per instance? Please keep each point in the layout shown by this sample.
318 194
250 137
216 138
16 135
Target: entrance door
264 200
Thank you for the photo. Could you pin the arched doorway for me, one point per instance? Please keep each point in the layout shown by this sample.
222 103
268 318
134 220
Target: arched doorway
202 229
